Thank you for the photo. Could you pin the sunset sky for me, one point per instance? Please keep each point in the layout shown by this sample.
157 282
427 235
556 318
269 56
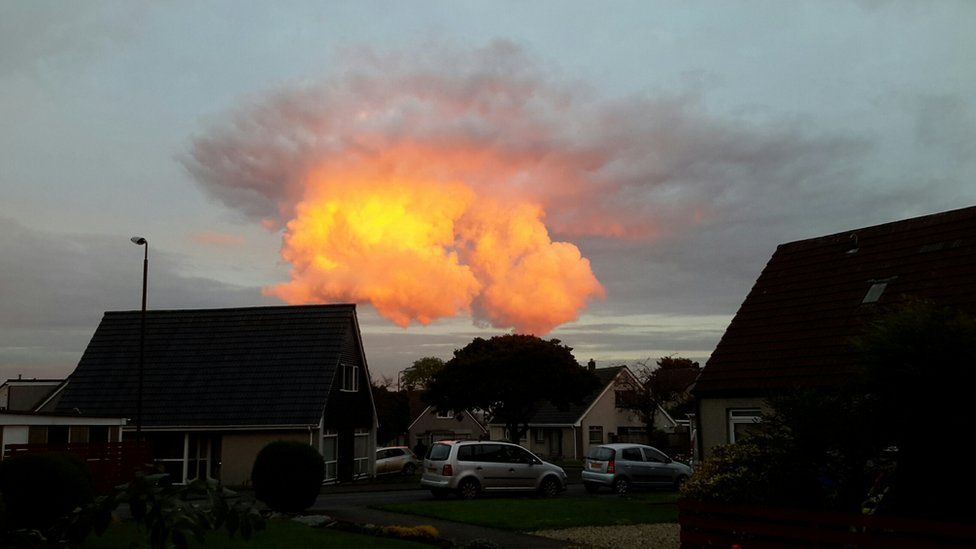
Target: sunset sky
612 174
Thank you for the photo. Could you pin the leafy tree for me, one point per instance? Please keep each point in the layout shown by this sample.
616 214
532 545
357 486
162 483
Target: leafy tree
418 376
392 413
663 385
509 377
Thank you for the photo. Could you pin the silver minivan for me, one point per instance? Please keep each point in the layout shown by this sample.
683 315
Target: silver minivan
469 468
622 466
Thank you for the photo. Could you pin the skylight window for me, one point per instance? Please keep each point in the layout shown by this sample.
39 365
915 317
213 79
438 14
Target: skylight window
874 292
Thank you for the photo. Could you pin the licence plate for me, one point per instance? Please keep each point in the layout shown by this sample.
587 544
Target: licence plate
432 469
595 466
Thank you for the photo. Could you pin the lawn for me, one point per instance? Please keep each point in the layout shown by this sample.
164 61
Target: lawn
279 533
529 513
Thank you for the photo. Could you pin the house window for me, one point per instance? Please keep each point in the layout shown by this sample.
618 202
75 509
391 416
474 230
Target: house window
350 377
624 399
523 438
743 422
596 434
446 414
361 453
540 435
330 446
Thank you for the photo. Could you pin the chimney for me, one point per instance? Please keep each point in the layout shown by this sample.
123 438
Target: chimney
591 365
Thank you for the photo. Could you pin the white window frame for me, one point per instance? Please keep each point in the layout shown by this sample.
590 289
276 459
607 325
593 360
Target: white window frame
741 416
350 377
445 415
331 437
540 435
592 430
361 463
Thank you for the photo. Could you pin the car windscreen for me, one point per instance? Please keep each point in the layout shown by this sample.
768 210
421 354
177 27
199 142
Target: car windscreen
600 454
439 452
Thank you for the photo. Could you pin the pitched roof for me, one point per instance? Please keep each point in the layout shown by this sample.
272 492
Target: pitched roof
222 367
548 414
795 327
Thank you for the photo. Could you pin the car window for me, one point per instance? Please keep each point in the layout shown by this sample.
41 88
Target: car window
394 452
439 452
653 455
470 452
493 453
632 454
382 454
599 453
514 454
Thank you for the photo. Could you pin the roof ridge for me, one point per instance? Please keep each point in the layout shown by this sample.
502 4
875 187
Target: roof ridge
249 308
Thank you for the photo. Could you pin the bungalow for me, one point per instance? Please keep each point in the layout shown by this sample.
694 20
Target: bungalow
220 384
795 326
601 418
431 425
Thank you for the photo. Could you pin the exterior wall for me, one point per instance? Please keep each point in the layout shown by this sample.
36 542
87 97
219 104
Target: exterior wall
604 413
714 420
429 427
238 451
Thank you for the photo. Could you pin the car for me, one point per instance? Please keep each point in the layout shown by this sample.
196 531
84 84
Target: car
621 467
470 468
396 459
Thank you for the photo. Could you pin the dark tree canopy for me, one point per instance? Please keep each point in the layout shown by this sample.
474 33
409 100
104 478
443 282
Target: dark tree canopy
508 377
662 386
392 413
419 375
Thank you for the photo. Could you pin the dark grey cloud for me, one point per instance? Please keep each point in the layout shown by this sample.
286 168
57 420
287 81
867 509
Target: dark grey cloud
55 288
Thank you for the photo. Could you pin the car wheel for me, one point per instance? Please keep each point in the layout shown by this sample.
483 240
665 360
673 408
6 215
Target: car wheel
549 487
409 469
468 489
678 482
438 493
621 486
591 487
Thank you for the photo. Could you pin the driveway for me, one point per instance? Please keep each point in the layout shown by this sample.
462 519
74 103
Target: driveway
353 507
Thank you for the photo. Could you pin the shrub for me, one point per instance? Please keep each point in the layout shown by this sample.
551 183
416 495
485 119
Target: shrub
287 476
749 473
39 488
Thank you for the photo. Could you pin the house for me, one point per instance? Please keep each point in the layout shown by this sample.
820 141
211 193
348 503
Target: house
601 418
431 425
18 428
220 384
795 327
24 395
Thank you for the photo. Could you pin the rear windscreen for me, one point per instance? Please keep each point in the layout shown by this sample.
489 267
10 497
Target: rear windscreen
439 452
600 454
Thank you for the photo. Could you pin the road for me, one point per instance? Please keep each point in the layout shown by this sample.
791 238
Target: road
371 497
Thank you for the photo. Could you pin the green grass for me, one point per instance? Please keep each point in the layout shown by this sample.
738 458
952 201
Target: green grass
278 534
529 513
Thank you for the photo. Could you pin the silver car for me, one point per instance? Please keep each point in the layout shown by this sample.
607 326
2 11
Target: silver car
396 459
469 468
622 466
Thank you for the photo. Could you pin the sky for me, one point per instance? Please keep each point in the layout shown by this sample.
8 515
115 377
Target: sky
639 162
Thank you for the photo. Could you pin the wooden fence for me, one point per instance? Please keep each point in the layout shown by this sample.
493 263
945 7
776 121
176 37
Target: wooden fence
110 463
715 525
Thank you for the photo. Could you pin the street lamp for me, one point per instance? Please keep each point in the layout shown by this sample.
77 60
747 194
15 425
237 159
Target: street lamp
140 241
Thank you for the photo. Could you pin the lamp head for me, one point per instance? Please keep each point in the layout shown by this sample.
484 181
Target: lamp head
138 240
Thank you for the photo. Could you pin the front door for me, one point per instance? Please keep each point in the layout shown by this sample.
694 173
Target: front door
555 443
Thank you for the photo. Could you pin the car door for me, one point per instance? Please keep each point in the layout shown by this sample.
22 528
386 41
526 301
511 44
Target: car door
381 463
632 464
522 467
491 465
659 473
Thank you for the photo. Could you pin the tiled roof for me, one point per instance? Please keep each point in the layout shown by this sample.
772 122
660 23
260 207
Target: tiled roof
222 367
795 327
548 414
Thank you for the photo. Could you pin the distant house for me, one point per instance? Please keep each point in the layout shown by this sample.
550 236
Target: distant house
24 395
430 425
220 384
601 418
795 327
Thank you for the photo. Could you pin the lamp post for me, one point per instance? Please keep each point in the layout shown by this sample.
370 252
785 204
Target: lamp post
140 241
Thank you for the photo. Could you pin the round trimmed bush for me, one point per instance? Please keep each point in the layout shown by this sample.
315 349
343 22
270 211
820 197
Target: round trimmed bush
287 476
39 488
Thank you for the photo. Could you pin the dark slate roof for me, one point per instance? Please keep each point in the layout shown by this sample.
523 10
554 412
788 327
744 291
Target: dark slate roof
548 414
221 367
795 327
